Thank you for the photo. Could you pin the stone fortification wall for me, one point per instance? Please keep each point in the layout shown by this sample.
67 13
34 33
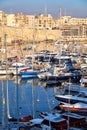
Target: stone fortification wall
14 33
28 37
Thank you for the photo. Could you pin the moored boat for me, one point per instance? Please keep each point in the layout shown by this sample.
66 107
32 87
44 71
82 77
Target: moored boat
42 76
74 120
53 121
65 76
30 74
81 97
75 88
22 119
79 107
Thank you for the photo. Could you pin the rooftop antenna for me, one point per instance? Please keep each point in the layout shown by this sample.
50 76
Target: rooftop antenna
45 13
65 12
60 14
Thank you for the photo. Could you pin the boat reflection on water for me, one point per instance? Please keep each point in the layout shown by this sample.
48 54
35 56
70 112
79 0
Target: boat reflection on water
26 97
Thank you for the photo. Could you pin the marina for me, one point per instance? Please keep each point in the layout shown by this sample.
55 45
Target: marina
27 98
43 72
52 85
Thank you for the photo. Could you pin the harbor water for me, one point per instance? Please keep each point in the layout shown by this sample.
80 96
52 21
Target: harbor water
20 98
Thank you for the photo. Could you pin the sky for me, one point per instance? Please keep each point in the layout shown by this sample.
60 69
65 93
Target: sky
74 8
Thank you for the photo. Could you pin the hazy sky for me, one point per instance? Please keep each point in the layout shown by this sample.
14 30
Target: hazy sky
75 8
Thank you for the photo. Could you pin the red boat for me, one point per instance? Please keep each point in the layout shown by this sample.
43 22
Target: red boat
26 118
22 119
79 107
74 120
53 120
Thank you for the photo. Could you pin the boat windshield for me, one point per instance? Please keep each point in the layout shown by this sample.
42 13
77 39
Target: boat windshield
82 95
57 118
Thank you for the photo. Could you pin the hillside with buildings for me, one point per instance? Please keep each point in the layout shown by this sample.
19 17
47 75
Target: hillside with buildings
29 26
20 31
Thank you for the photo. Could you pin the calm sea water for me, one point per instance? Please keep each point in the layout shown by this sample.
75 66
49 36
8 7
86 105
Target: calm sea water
28 97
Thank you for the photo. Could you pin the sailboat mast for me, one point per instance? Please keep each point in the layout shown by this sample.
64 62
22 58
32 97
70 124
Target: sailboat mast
69 110
7 94
17 93
3 106
4 51
33 48
33 97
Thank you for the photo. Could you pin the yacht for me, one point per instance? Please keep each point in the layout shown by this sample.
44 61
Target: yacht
72 99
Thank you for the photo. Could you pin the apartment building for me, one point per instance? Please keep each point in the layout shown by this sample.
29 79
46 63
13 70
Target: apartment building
3 18
11 21
20 19
78 21
72 27
41 20
44 21
68 20
30 21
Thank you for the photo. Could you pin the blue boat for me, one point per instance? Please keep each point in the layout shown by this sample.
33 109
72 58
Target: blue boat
30 74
